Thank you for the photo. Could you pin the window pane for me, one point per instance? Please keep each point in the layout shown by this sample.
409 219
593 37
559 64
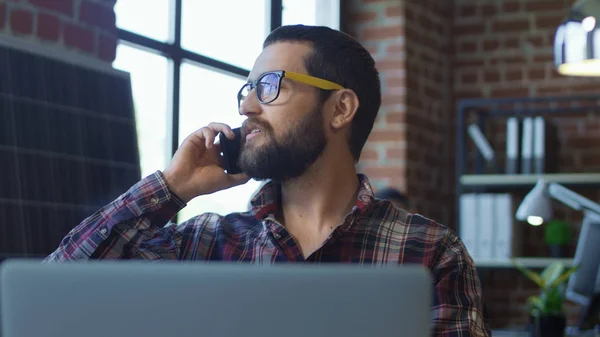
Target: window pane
151 91
210 96
153 21
231 31
311 12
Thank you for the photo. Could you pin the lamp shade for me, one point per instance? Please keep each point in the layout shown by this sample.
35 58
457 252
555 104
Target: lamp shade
577 41
536 207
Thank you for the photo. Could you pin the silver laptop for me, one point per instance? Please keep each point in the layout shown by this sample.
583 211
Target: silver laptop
127 298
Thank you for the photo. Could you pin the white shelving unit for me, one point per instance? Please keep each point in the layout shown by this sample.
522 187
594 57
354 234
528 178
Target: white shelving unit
529 262
528 179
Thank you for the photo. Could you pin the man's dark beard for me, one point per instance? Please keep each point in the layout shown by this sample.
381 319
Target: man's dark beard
289 157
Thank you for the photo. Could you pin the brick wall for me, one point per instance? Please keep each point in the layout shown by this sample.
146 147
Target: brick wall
494 48
86 26
379 25
430 149
504 49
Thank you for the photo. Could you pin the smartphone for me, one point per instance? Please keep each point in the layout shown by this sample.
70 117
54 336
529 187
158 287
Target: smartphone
230 148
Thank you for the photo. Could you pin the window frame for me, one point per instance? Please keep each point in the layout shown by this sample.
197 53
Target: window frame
176 55
174 52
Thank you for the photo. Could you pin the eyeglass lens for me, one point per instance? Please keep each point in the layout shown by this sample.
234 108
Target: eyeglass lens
267 88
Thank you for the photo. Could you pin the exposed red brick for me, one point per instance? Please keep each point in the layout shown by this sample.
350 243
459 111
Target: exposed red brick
463 29
391 64
546 6
393 11
536 74
511 25
509 92
369 155
396 47
385 171
543 58
395 117
467 10
48 27
513 75
491 45
385 32
97 14
489 10
491 76
363 16
511 43
386 136
469 63
21 21
2 14
62 6
507 59
79 37
467 47
468 77
396 153
536 41
392 99
395 81
549 21
511 6
107 47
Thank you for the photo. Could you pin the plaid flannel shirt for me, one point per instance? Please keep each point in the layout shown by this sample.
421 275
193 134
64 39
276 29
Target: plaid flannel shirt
373 233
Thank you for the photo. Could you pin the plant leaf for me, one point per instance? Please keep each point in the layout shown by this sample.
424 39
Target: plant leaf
535 303
565 276
536 278
552 273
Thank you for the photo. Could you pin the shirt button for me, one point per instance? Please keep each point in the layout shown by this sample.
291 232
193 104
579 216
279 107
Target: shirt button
103 231
154 200
277 236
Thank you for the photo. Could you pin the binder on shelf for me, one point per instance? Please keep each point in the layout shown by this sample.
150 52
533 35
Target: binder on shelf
486 224
483 145
504 231
468 230
512 145
527 146
545 146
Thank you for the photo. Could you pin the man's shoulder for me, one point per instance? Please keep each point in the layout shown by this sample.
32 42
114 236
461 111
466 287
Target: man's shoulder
423 239
412 224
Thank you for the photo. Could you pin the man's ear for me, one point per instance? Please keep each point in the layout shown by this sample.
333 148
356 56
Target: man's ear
346 104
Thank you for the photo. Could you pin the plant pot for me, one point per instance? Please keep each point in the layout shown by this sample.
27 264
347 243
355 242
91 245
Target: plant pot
556 251
548 325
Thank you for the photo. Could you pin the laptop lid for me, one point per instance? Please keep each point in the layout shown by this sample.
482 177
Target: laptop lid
130 298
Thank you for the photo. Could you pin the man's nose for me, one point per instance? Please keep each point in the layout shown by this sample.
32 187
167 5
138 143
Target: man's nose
250 105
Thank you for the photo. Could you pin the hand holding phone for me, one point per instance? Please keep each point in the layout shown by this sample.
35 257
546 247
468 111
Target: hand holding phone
231 151
197 166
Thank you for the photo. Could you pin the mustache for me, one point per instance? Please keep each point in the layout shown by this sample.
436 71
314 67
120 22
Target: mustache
250 124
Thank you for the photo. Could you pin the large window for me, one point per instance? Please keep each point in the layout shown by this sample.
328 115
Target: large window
187 59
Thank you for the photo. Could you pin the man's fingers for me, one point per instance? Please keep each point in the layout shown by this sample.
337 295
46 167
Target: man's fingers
209 136
220 127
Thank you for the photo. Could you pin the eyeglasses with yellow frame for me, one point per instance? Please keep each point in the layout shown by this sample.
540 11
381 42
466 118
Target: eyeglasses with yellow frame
268 85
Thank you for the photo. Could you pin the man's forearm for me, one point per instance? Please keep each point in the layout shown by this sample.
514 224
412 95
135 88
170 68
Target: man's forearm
118 229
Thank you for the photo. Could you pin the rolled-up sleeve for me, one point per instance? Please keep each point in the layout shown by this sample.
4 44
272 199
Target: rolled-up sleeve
118 229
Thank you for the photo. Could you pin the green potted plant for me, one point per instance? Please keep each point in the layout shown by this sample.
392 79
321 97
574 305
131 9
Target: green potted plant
546 313
557 234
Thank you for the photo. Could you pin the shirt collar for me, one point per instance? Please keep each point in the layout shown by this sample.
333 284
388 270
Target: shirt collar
266 200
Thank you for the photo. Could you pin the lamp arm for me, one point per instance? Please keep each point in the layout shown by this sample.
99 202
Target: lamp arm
572 199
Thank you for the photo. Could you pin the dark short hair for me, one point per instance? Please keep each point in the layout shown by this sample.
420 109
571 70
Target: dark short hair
391 193
339 58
